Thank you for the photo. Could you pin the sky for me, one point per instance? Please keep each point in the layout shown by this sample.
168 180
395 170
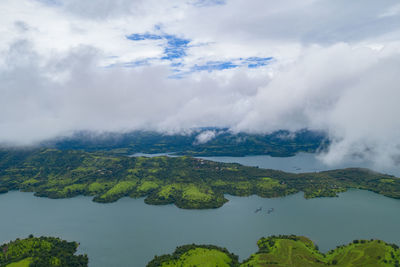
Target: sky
253 66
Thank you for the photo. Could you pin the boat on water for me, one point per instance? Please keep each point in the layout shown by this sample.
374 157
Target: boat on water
258 210
270 210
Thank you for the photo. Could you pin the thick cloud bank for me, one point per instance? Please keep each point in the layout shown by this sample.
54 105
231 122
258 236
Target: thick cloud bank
65 69
352 93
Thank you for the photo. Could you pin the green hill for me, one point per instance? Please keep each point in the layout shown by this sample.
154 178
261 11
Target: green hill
286 251
40 252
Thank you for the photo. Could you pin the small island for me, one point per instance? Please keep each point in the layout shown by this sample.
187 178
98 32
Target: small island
285 251
189 183
41 251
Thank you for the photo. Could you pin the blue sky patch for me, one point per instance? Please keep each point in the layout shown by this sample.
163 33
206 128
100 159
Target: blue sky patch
180 70
214 65
136 63
132 64
255 62
203 3
251 62
209 66
143 36
177 64
175 47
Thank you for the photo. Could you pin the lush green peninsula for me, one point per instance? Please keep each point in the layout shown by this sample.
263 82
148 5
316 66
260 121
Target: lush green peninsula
286 251
187 182
41 251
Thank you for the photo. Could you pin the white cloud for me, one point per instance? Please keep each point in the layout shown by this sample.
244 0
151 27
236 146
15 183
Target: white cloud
334 69
205 136
391 11
350 92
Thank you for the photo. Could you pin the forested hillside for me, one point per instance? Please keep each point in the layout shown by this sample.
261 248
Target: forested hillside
201 142
187 182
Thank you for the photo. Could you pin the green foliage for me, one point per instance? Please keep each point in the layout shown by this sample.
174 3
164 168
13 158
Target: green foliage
122 188
96 187
41 251
293 251
22 263
187 182
3 190
289 250
147 186
196 255
285 251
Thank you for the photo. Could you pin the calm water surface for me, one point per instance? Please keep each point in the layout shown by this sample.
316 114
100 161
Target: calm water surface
302 162
130 233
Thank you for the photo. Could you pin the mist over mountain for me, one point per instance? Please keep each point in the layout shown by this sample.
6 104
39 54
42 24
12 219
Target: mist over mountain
198 142
122 66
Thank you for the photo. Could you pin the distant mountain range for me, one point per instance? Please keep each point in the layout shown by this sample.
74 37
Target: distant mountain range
199 142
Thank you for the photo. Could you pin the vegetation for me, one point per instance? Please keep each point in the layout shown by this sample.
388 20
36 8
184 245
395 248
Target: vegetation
286 251
274 251
187 182
41 251
225 143
196 255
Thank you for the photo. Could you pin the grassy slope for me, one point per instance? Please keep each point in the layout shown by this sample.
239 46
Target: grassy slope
294 251
366 253
41 251
201 257
187 182
196 255
291 251
22 263
287 251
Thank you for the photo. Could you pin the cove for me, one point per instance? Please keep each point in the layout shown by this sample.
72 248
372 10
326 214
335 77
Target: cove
130 232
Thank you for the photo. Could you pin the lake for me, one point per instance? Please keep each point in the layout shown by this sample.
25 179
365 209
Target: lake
130 232
303 162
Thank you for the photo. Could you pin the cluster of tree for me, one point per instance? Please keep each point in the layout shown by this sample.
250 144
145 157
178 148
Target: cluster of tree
42 251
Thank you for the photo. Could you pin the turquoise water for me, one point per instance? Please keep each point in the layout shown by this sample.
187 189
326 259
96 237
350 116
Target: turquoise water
129 232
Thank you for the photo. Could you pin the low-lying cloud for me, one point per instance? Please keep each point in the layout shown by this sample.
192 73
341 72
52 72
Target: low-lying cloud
340 76
352 93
